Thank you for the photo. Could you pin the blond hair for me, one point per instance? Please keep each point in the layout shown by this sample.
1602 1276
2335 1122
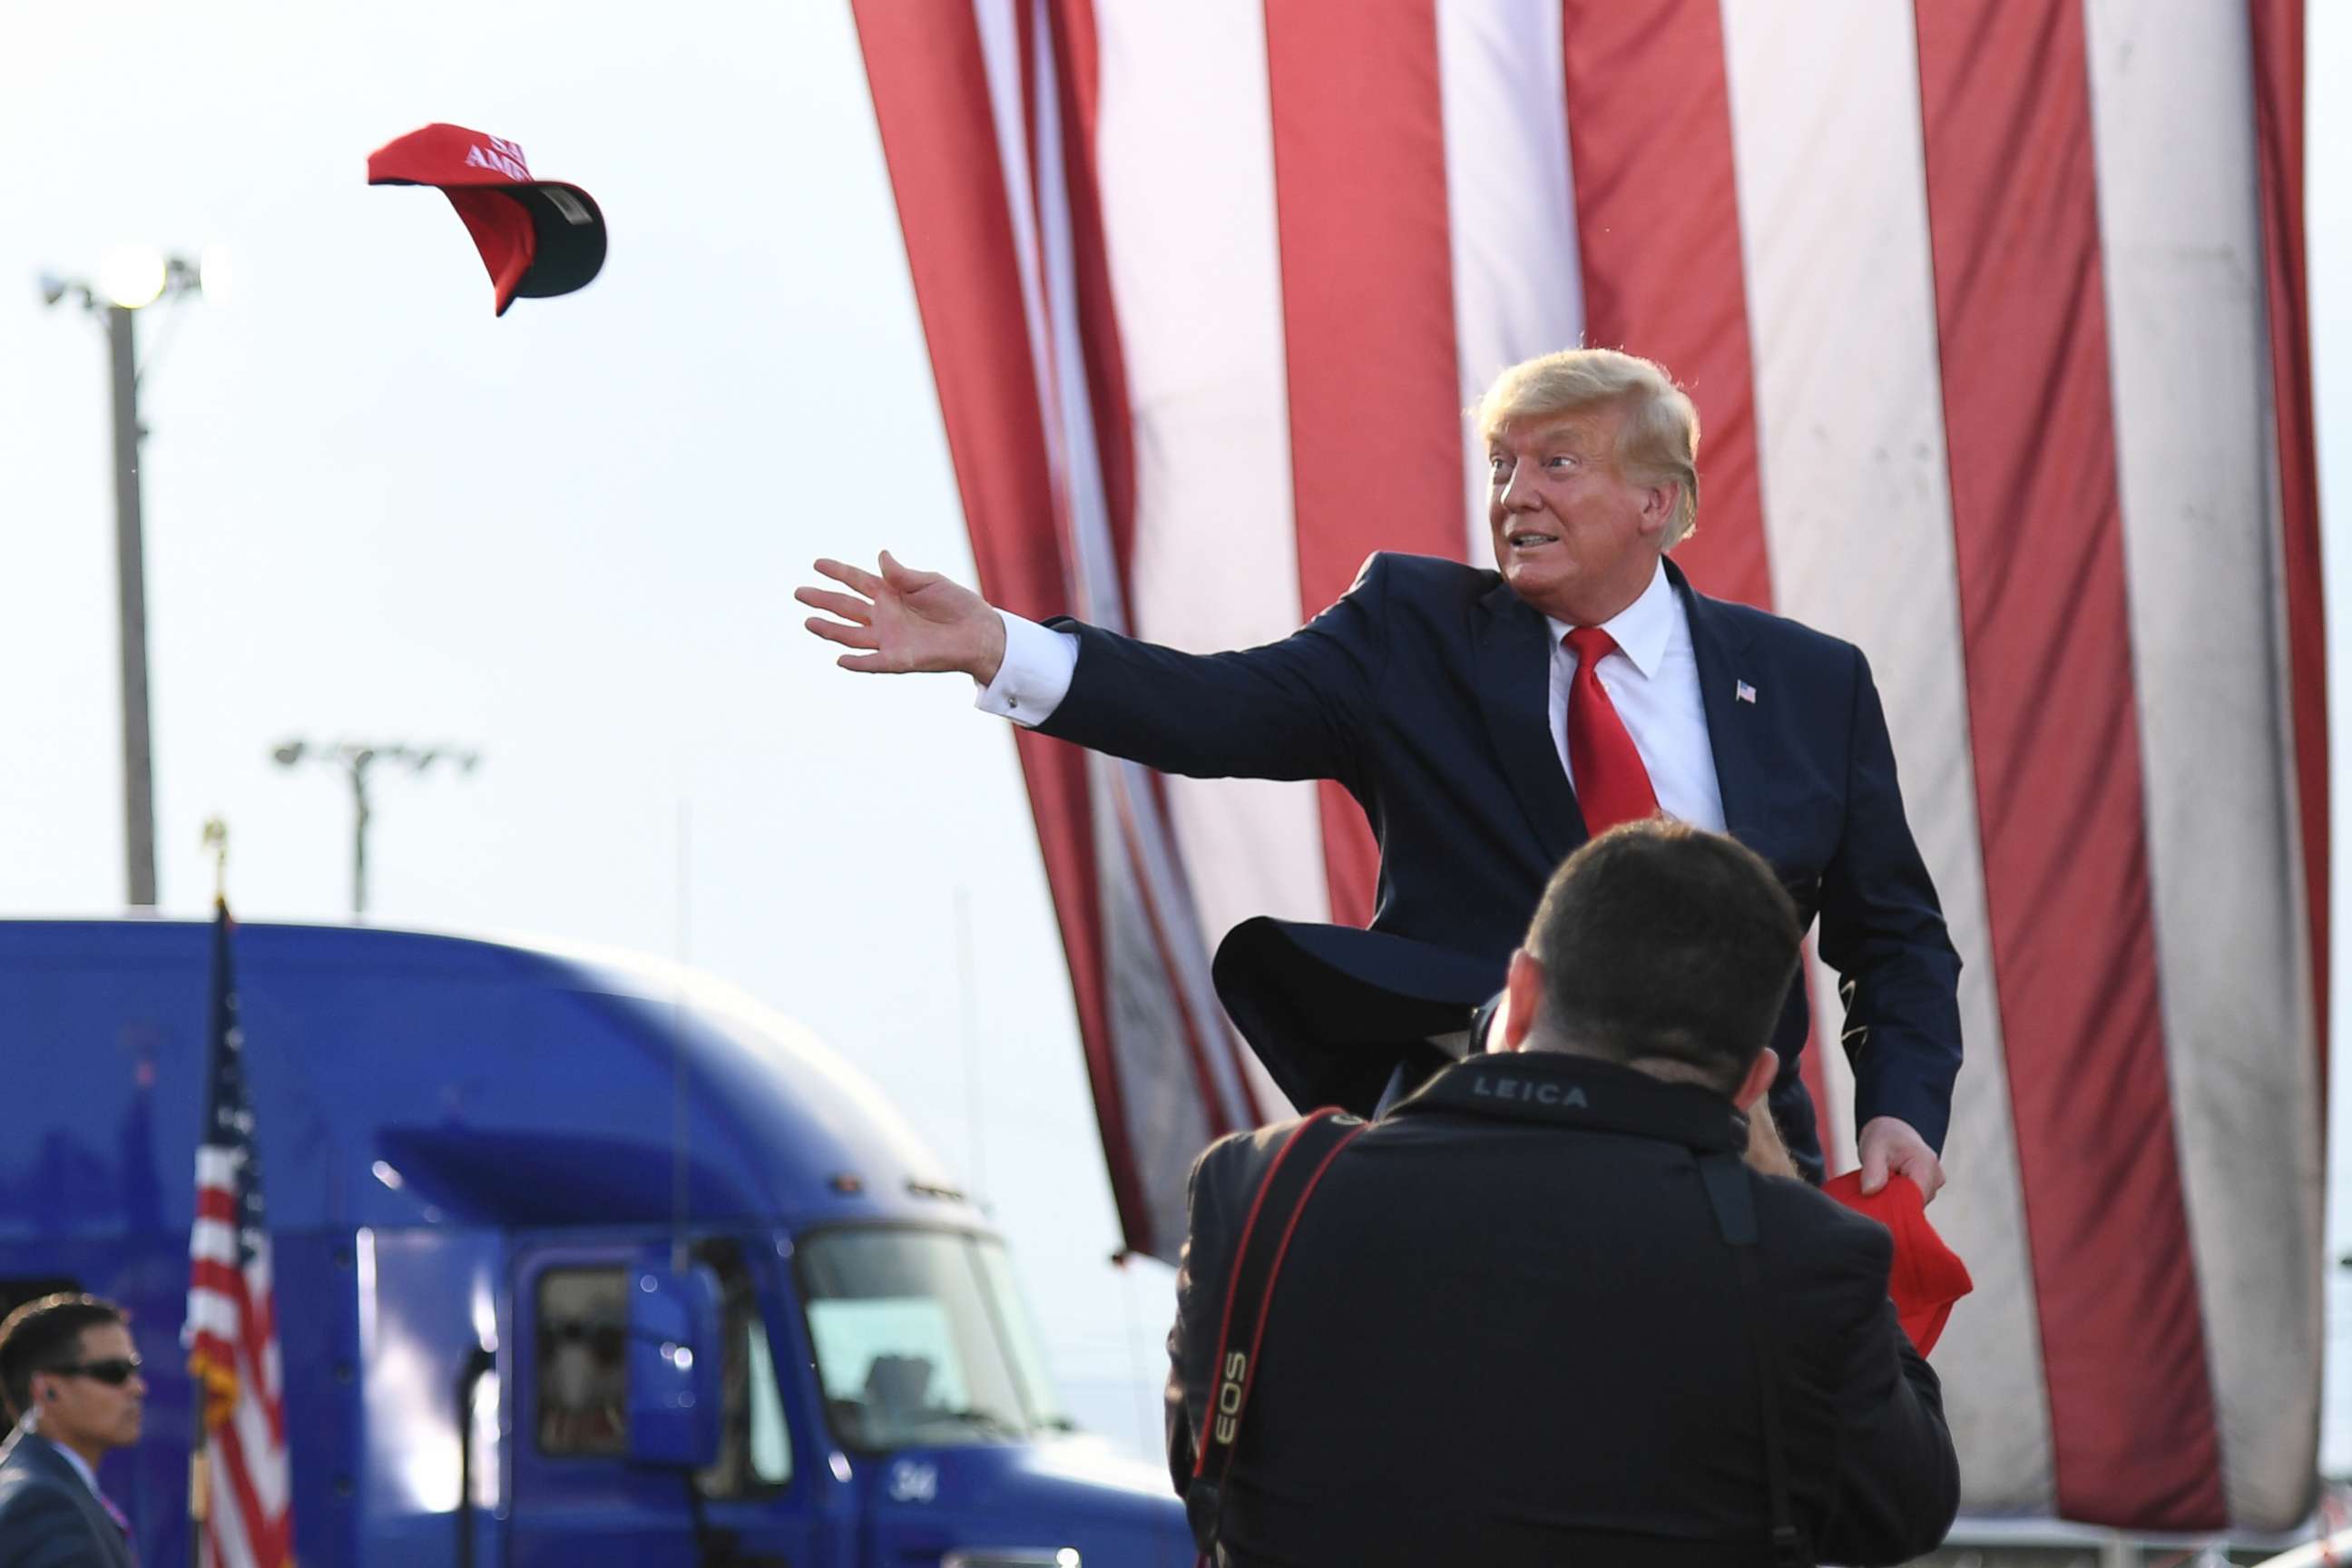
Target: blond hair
1657 440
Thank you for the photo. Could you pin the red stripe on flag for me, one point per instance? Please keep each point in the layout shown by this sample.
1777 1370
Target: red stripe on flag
2278 44
1649 98
216 1203
1368 312
1198 1035
930 84
1651 118
2013 216
223 1279
257 1328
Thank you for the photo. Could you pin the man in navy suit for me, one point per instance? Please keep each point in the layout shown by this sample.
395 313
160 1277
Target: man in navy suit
70 1380
1489 723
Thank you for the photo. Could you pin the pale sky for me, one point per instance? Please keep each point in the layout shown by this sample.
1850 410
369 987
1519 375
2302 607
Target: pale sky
568 538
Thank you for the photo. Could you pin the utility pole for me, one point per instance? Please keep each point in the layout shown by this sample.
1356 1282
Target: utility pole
130 593
356 759
127 283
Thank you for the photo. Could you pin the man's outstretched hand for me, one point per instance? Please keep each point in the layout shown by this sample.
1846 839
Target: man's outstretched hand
905 620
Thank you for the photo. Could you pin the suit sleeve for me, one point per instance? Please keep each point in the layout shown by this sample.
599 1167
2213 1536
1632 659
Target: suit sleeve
41 1528
1298 709
1897 1488
1882 930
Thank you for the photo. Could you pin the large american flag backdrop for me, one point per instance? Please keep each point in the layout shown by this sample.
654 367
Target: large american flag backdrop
1994 313
232 1328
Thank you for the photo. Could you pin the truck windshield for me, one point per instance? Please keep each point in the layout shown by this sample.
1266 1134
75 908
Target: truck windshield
922 1341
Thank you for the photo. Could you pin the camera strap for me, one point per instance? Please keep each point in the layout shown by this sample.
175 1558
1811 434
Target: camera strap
1728 1194
1274 1213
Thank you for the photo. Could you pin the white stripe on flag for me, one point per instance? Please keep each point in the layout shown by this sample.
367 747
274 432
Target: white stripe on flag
2172 99
217 1166
213 1240
210 1313
1185 151
1519 289
1858 517
227 1519
1834 1118
1176 946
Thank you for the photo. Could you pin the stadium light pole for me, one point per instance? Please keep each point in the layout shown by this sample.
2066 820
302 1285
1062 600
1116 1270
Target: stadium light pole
356 759
128 281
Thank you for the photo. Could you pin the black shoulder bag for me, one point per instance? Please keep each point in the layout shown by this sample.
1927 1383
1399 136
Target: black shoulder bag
1728 1194
1274 1213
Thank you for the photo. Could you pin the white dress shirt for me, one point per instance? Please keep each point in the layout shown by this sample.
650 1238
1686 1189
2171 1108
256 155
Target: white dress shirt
1652 680
81 1468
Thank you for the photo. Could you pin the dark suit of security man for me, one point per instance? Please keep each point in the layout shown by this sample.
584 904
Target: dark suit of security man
1435 693
1508 1327
70 1381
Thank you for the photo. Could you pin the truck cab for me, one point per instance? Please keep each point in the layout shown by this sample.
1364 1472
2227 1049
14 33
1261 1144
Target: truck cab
579 1258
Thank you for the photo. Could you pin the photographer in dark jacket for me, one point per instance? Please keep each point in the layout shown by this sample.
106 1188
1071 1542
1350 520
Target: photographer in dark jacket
1511 1326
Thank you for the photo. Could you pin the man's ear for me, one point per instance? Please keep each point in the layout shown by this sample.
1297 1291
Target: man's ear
1522 1000
1658 503
1757 1083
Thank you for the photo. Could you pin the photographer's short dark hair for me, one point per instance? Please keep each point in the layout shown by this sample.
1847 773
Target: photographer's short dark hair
1660 941
42 1335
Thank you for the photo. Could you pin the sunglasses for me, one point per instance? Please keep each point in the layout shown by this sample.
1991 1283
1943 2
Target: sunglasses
115 1371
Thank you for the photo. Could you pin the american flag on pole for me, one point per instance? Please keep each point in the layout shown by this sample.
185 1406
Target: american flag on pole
1996 317
244 1490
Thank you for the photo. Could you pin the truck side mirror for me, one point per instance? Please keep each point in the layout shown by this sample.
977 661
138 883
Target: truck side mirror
673 1349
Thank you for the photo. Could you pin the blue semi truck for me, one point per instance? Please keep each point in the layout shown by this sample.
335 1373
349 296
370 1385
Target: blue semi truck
580 1260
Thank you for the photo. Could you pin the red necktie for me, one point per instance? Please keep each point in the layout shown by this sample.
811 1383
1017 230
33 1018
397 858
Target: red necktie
1611 784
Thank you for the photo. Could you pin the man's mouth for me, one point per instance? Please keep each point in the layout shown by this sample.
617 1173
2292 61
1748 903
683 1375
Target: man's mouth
1527 539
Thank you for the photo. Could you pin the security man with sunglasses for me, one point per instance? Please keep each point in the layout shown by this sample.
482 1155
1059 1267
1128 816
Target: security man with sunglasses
70 1379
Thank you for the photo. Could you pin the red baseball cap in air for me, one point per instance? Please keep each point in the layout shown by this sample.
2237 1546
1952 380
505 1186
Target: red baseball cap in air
538 237
1928 1276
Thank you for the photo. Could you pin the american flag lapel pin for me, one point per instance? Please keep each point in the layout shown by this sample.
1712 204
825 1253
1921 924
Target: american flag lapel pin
1743 692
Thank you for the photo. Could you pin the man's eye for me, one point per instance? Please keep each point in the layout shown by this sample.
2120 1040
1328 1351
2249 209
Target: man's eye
1562 461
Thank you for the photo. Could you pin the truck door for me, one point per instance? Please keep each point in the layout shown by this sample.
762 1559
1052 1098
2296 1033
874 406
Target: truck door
579 1501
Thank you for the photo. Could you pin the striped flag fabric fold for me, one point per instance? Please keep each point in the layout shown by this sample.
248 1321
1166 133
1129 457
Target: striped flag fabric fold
232 1327
1995 314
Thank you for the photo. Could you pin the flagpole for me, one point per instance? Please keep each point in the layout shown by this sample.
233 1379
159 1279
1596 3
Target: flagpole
199 1393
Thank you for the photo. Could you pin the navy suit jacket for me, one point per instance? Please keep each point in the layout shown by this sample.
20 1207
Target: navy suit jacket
1424 693
47 1517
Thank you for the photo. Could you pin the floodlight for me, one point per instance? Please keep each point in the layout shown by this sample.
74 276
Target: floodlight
133 276
215 275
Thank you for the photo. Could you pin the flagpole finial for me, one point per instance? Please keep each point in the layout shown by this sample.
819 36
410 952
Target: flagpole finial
216 840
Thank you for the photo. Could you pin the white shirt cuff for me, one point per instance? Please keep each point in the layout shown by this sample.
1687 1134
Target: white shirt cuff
1035 674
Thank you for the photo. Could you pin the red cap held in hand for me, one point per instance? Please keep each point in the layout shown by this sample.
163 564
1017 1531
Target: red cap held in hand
538 237
1927 1277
